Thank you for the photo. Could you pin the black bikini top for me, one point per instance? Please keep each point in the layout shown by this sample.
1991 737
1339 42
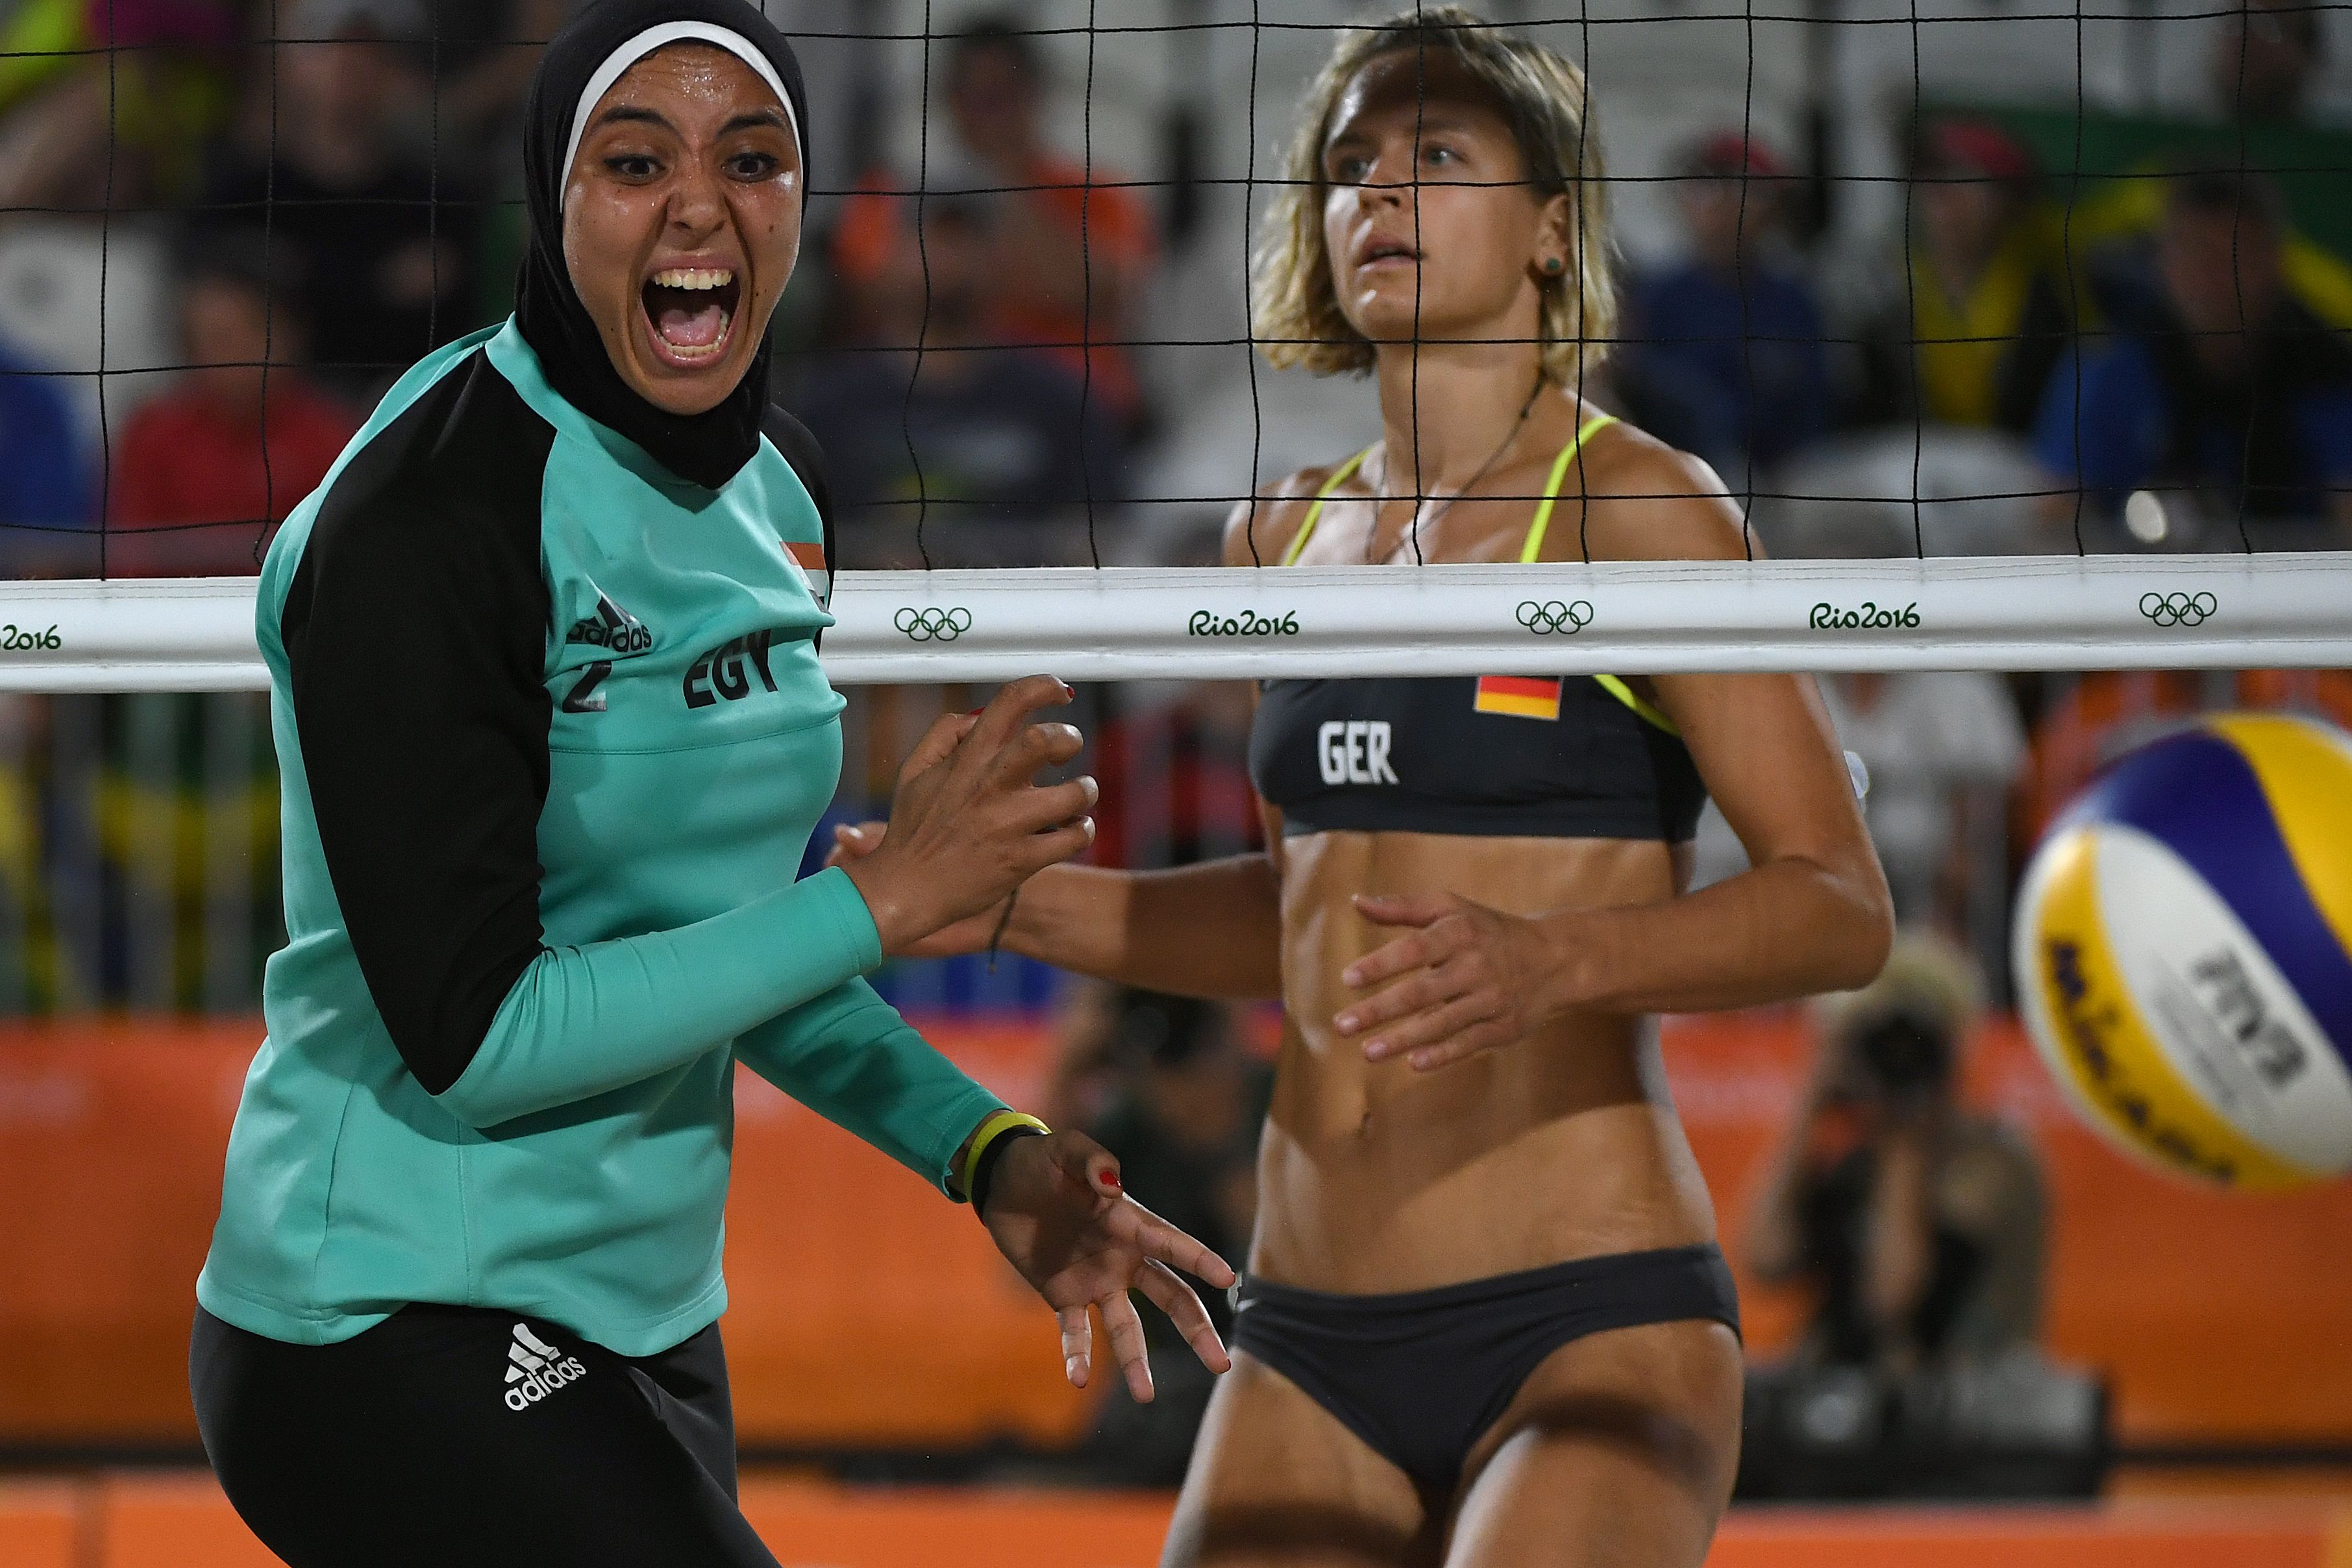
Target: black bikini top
1548 756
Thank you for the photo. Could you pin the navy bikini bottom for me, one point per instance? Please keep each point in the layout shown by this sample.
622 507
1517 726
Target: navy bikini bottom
1419 1376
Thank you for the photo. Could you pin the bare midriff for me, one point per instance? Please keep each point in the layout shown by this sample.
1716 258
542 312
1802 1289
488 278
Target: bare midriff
1376 1178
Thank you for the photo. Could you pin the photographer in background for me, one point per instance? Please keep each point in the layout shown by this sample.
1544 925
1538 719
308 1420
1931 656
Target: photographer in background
1921 1227
1920 1224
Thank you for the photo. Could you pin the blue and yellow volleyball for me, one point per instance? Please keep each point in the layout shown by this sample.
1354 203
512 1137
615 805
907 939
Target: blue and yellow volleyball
2183 952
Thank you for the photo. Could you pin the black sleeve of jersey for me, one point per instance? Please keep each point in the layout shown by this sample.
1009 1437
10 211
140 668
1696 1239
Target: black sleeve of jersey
414 630
800 449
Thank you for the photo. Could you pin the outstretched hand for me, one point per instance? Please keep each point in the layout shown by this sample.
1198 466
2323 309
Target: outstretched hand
968 823
1056 1211
1463 978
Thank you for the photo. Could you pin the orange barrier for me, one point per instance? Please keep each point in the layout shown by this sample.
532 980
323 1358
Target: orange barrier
41 1525
868 1312
865 1309
2220 1317
815 1526
111 1141
182 1521
2196 1535
169 1521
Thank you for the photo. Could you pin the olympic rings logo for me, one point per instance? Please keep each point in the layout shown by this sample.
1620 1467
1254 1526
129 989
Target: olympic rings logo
930 625
2178 609
1552 616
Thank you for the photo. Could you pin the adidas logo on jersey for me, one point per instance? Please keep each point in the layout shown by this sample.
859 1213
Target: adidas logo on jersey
611 627
536 1369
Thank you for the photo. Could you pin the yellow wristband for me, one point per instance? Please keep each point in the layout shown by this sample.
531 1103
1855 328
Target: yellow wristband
995 1126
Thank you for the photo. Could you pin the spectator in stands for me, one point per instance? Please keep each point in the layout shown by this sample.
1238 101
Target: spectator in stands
1185 1106
1920 1224
1938 754
1173 766
241 437
2265 57
486 50
996 436
1073 246
1723 350
343 166
111 100
1941 750
45 473
2232 400
2092 718
1987 307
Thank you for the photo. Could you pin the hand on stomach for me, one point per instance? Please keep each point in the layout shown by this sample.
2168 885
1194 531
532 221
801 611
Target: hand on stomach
1376 1176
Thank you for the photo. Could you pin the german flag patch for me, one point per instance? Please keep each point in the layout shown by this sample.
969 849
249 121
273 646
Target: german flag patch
1520 696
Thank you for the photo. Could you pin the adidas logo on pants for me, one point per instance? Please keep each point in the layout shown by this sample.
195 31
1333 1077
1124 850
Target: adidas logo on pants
536 1369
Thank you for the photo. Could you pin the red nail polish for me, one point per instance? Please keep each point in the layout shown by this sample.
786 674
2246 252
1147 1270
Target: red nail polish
1110 1180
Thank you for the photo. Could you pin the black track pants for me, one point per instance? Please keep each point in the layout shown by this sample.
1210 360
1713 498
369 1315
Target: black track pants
460 1436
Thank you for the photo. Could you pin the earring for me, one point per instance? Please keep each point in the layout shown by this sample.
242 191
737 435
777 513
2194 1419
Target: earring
1552 265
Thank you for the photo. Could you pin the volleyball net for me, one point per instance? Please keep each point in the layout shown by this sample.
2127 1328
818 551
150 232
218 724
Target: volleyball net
2017 330
2020 343
1919 280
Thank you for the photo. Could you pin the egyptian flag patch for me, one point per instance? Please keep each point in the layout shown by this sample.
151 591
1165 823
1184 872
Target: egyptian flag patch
1520 696
810 559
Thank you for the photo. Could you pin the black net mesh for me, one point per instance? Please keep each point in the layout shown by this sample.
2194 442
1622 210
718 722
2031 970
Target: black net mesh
1975 278
1915 279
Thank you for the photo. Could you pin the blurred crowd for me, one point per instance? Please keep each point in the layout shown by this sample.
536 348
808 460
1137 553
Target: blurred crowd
2161 348
259 235
2156 359
308 219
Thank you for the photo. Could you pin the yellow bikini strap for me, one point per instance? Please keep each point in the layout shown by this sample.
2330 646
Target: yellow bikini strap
1339 476
1631 699
1533 550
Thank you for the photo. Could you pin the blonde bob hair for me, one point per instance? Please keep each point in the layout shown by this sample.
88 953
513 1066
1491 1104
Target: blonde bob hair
1294 305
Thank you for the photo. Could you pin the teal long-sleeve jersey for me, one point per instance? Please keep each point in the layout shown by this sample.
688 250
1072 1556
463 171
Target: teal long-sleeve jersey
553 737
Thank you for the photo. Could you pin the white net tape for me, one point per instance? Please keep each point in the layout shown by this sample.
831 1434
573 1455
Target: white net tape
2283 610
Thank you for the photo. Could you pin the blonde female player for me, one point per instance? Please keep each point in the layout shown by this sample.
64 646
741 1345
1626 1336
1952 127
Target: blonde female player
1485 1321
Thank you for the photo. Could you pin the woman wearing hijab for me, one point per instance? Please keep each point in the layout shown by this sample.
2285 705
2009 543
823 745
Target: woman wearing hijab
553 737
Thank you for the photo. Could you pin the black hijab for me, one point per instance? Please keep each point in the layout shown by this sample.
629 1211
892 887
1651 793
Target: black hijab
707 448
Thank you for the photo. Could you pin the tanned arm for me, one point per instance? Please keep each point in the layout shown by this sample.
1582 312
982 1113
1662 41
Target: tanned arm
1213 929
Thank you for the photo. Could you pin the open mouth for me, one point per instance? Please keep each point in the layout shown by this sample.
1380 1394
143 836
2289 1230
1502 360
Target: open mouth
1387 250
691 311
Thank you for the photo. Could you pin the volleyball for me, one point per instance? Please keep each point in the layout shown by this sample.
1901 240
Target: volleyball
2183 952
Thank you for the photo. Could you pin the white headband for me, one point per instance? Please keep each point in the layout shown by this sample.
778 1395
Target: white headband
644 44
